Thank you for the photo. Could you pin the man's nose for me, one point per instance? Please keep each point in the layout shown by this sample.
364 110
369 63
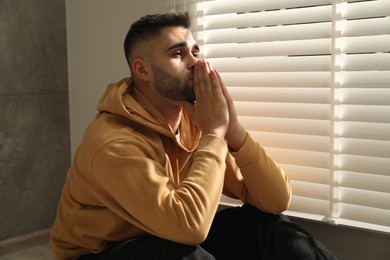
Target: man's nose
192 62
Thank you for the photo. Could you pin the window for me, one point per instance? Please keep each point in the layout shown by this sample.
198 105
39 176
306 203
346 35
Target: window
311 83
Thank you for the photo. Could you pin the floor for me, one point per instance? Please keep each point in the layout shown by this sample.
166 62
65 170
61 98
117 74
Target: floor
37 252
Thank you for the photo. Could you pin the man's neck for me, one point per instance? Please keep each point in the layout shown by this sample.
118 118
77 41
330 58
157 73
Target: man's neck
171 110
173 115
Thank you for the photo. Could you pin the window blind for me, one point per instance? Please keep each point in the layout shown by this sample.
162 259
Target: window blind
311 83
363 117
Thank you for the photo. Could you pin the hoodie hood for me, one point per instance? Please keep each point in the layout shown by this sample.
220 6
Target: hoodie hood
125 100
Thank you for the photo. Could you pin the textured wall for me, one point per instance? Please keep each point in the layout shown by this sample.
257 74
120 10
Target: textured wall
34 122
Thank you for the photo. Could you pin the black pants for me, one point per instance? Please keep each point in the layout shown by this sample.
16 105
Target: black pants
243 233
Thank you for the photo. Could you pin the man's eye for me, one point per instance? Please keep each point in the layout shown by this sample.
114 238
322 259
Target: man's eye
177 53
195 54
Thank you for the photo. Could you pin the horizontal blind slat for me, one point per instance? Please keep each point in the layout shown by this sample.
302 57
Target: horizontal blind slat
287 95
310 190
365 113
300 157
278 79
309 205
364 181
293 126
365 130
269 34
234 6
308 174
368 96
272 64
365 27
365 79
366 44
365 164
280 17
366 62
281 48
292 141
366 9
364 147
283 110
366 198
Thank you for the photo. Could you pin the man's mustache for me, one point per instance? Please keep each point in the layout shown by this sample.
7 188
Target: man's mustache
191 74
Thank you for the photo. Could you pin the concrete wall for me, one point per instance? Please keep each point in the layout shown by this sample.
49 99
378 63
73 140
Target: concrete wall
34 121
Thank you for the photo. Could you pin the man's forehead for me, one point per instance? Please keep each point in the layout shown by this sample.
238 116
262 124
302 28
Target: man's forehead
170 36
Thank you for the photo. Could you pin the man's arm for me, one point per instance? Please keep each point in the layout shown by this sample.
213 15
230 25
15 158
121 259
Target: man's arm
130 181
258 180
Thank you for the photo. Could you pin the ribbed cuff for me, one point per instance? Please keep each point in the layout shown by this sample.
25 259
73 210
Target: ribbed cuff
247 152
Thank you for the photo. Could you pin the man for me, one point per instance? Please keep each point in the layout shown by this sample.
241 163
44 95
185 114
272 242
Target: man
148 176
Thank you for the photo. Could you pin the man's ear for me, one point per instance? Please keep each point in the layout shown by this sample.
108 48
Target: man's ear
141 70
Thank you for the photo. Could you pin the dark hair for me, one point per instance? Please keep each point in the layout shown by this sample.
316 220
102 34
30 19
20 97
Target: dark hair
150 26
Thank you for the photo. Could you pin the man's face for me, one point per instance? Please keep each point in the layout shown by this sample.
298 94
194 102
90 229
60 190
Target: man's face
173 65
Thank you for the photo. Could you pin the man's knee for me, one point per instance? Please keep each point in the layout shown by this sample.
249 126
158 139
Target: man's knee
151 248
287 240
174 250
297 243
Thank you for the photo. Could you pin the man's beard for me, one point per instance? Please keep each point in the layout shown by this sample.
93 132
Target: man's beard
173 87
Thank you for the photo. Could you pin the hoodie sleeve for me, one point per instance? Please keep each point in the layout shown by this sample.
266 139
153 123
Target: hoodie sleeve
134 184
254 177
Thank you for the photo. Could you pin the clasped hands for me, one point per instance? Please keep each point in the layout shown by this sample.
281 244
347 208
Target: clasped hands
214 110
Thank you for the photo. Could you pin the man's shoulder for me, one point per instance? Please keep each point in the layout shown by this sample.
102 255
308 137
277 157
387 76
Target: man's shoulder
110 132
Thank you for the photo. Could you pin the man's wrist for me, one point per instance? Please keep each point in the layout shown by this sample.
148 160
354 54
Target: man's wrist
236 139
220 132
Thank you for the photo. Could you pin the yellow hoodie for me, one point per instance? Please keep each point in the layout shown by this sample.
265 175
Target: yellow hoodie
132 176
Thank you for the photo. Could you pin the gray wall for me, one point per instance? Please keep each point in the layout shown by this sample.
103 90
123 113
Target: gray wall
34 122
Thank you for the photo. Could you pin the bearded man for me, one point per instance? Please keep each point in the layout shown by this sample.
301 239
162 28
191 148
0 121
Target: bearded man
148 176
